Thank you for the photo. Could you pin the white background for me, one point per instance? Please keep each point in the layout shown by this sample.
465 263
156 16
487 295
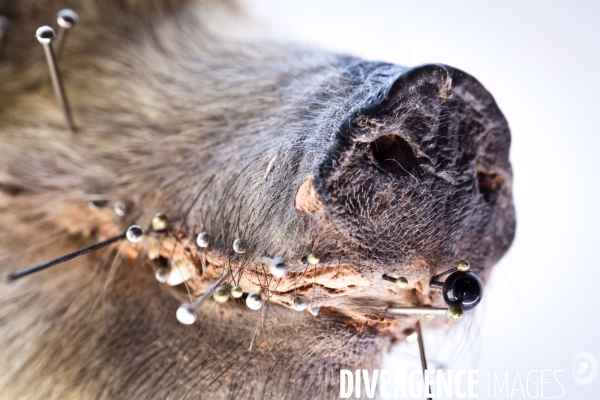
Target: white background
541 61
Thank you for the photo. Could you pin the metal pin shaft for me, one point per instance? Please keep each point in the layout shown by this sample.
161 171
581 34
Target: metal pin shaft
211 289
66 19
45 35
16 275
422 353
418 310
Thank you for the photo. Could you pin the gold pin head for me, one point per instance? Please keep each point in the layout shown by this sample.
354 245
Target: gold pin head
312 259
160 222
455 313
402 282
221 295
463 265
237 292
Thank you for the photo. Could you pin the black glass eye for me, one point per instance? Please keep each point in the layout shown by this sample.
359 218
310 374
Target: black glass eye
462 289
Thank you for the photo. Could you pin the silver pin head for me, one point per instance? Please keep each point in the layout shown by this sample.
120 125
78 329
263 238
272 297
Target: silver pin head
203 239
254 301
134 233
186 314
44 34
67 18
314 311
161 275
276 266
240 246
299 304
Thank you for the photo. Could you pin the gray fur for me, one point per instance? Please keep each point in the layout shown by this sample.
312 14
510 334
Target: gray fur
219 134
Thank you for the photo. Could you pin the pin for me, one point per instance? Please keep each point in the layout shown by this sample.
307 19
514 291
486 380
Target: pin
276 266
314 310
12 276
422 353
186 313
240 246
402 282
237 292
221 295
4 25
120 208
254 301
161 275
203 239
134 233
45 35
176 274
160 222
312 259
462 291
299 304
66 19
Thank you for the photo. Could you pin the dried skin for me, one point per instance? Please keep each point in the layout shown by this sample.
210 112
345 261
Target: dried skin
376 168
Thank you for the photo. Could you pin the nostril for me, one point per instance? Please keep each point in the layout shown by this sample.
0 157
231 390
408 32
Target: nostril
394 154
489 183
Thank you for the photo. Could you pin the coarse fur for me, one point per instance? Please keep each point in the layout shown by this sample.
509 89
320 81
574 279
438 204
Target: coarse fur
377 168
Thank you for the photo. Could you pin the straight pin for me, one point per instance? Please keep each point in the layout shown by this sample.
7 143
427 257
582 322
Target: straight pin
45 35
422 354
66 19
418 310
133 234
186 313
4 25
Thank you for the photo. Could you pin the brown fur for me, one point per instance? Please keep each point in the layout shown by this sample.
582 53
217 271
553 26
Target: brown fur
376 168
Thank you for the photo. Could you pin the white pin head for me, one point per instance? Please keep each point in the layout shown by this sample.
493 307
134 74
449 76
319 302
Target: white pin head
120 208
203 239
254 301
240 246
186 314
314 311
44 34
299 304
67 18
161 275
276 266
134 233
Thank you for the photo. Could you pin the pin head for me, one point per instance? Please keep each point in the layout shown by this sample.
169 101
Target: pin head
277 266
312 259
134 233
186 314
160 222
463 265
203 239
44 34
299 304
221 295
237 292
254 301
463 289
240 246
67 18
